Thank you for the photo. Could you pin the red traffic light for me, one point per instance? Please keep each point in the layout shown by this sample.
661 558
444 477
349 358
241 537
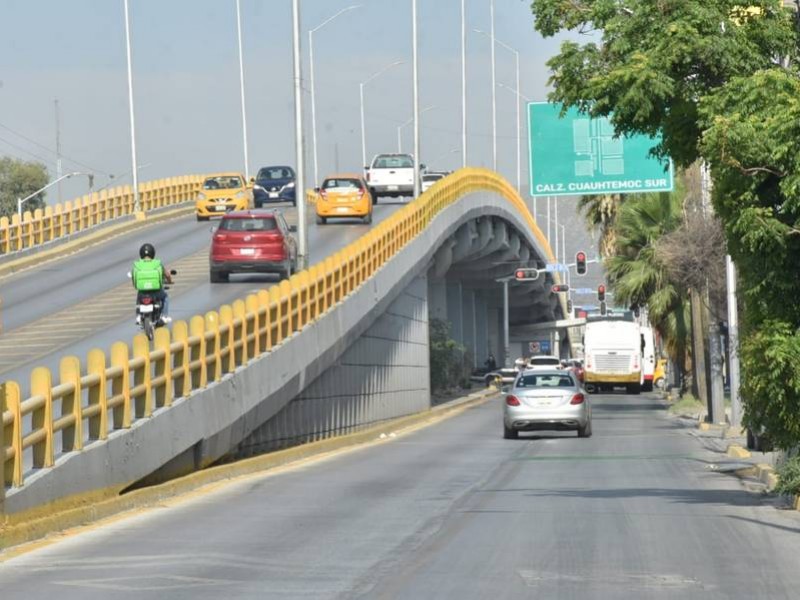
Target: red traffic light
601 292
560 288
526 274
580 263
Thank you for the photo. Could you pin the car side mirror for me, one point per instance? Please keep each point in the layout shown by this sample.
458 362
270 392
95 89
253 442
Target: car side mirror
292 228
366 167
173 272
423 167
252 180
130 275
505 389
212 229
316 190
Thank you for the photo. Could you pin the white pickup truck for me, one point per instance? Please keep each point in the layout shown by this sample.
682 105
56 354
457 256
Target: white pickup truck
391 175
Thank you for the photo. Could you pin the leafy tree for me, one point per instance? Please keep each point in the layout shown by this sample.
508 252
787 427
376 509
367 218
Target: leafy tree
718 80
19 179
637 273
600 212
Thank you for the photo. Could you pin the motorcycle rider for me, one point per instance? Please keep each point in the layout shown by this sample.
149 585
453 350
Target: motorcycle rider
149 275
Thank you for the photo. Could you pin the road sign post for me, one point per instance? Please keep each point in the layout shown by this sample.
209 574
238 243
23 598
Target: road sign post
576 155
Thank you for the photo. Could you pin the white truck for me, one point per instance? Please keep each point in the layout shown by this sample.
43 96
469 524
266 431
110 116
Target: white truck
612 354
391 175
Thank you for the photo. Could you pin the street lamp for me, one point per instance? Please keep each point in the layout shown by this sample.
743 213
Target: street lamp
494 88
300 182
136 204
361 96
519 143
463 83
313 89
21 201
415 94
241 86
406 124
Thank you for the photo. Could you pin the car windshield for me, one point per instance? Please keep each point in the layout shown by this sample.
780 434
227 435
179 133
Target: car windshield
253 224
226 182
545 380
341 184
393 162
270 173
545 361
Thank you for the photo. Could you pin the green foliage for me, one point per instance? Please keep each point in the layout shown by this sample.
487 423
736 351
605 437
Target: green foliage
448 359
19 179
719 82
789 477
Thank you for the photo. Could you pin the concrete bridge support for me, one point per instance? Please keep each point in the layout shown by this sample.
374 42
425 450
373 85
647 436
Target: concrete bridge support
383 375
455 312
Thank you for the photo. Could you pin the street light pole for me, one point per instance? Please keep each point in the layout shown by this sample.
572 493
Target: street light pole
415 94
300 186
241 86
463 84
361 97
21 201
494 90
733 343
313 87
406 124
137 208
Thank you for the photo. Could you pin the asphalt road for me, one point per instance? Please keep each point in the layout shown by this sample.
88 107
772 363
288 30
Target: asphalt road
85 301
451 511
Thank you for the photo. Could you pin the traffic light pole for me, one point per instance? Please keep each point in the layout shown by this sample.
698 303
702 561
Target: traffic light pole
506 342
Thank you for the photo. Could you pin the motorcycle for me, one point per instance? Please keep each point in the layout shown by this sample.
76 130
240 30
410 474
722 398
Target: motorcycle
148 310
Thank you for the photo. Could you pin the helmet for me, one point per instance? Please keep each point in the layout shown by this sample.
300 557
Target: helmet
147 251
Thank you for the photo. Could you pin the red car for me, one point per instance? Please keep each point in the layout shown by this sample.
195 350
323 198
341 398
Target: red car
252 241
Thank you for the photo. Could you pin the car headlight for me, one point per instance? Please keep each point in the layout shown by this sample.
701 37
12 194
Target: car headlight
240 195
258 187
290 185
201 196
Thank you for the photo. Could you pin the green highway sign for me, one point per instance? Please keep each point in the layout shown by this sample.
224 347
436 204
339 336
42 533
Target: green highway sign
577 155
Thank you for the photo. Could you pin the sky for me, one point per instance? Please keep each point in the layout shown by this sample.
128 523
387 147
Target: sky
186 83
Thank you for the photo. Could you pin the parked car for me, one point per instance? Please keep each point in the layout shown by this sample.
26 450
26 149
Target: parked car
547 400
391 175
344 195
660 373
428 179
252 241
274 184
544 361
222 193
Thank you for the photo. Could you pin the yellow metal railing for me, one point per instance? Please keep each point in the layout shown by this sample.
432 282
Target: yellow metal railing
59 221
130 382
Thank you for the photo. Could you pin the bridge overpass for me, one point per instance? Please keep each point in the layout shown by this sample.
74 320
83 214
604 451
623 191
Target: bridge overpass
338 347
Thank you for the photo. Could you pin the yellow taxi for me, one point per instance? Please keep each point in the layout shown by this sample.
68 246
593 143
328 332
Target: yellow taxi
222 193
344 196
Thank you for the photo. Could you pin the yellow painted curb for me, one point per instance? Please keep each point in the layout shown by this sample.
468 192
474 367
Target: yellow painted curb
90 508
737 451
103 233
767 475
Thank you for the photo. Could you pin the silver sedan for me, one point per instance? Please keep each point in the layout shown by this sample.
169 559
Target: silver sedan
547 399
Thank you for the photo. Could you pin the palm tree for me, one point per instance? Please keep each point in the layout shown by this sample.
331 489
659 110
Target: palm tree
637 275
601 213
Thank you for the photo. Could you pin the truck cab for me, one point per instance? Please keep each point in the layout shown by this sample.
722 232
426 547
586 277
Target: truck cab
391 175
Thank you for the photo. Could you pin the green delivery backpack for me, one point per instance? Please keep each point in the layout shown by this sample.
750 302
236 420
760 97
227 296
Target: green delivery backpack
147 275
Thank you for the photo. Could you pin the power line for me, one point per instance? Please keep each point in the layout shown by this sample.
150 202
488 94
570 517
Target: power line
46 161
48 149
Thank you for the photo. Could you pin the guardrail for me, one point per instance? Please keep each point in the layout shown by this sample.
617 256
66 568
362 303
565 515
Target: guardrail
131 382
60 221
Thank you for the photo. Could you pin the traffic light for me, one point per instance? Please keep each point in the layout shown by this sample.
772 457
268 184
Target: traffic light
569 306
526 274
603 309
580 263
601 293
560 288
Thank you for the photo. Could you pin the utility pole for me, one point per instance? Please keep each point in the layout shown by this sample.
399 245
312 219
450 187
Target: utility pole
733 343
59 168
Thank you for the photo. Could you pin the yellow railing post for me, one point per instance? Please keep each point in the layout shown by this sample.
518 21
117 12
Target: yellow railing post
163 367
183 382
240 333
265 322
197 330
142 395
98 394
252 312
213 356
228 340
42 385
12 433
70 373
121 386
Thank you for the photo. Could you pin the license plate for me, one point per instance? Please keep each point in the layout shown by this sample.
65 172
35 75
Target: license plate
247 251
274 195
342 209
392 188
145 308
220 208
